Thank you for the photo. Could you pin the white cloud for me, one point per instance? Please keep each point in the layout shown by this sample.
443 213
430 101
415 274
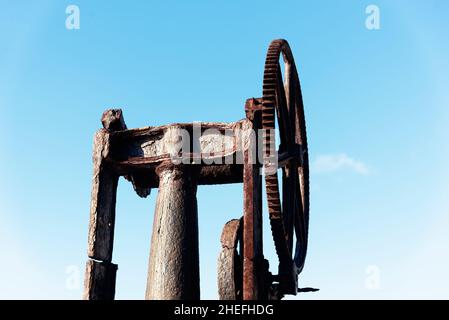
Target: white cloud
337 162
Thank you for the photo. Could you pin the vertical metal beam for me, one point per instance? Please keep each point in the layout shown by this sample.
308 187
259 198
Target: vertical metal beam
173 272
252 204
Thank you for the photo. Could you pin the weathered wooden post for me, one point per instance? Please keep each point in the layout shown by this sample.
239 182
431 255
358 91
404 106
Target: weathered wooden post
100 271
173 272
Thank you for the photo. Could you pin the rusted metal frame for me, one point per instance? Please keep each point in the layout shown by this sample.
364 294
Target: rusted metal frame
252 217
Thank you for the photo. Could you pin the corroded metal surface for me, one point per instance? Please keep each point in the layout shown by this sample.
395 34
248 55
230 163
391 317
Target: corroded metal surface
282 100
229 267
252 208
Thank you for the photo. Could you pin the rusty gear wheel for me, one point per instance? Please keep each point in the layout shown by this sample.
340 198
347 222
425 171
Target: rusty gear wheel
230 262
282 100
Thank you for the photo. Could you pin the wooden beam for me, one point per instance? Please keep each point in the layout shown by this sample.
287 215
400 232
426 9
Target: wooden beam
99 280
208 174
102 205
113 120
136 153
151 146
100 275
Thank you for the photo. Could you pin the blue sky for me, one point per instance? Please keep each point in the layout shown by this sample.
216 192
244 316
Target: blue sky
376 109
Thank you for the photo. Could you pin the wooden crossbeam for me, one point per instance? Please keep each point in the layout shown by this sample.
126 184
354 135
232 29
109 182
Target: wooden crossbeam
217 148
